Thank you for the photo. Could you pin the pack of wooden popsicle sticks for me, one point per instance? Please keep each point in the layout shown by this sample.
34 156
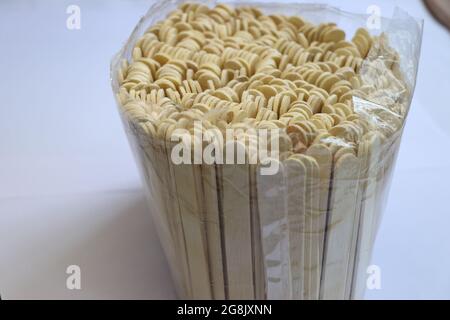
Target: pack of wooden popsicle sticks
300 109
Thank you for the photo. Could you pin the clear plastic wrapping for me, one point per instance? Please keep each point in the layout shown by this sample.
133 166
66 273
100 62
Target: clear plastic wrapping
305 230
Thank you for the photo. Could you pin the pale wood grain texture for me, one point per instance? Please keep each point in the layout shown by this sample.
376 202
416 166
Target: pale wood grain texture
272 203
258 255
153 166
351 270
164 170
237 230
312 234
370 151
324 158
213 230
296 177
149 154
340 227
188 191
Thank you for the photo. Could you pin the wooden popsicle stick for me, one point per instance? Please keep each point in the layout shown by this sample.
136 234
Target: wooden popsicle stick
237 228
351 270
188 187
296 177
258 256
363 155
322 154
371 147
214 242
163 169
272 204
147 154
384 154
312 236
340 227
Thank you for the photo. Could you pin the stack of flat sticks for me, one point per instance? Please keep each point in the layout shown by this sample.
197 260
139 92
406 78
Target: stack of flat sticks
230 231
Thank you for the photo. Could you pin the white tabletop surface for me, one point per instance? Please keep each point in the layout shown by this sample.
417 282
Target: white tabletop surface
70 193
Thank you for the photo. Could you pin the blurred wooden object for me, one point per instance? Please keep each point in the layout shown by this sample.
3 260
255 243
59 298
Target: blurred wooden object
296 184
440 9
370 153
272 204
212 203
343 206
237 228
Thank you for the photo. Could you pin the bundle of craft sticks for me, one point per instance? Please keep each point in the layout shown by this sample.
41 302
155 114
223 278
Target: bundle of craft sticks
334 108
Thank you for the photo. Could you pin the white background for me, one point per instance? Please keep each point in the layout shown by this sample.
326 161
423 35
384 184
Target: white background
70 192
